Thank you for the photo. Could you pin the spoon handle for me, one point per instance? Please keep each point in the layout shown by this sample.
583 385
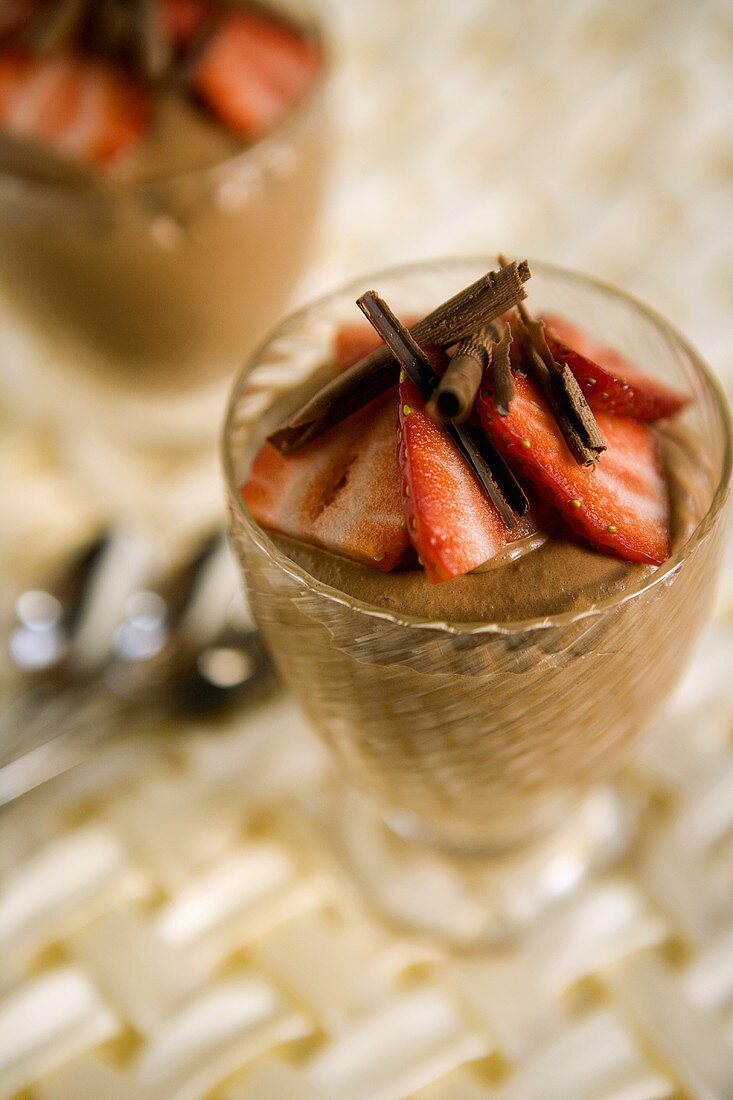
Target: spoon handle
64 734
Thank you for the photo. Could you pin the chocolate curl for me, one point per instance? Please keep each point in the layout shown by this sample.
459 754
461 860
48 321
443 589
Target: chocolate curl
558 384
131 31
156 51
563 394
481 302
456 392
414 362
501 368
57 25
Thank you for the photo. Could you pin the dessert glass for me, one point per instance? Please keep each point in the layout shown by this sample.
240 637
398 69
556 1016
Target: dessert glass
478 737
134 302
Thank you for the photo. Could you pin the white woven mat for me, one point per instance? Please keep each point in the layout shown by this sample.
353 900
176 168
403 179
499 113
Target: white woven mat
171 928
168 927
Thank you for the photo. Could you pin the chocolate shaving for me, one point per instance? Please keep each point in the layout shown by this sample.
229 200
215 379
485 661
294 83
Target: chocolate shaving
568 405
497 480
456 394
114 29
487 298
156 51
457 390
400 342
502 369
55 27
413 360
561 391
132 31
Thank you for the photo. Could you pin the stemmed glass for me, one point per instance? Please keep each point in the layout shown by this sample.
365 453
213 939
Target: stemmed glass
488 741
127 304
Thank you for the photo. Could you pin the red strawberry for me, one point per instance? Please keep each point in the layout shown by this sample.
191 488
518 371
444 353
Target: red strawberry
453 525
610 383
83 109
341 492
621 506
355 339
185 19
352 342
253 70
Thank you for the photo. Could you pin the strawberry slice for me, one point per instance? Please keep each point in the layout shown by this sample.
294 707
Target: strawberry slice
609 381
341 492
453 525
354 340
253 71
621 506
80 108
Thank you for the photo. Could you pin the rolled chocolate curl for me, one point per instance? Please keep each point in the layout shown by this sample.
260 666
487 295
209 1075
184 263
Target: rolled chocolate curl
570 409
457 390
496 479
56 25
476 305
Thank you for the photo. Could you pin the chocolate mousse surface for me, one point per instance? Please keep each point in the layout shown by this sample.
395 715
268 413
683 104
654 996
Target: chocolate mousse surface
544 578
181 139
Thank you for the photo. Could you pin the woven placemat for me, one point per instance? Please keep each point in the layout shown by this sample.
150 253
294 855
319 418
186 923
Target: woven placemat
170 928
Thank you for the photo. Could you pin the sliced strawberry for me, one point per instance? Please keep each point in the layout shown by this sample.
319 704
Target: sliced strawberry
80 108
355 339
341 492
185 19
610 382
453 525
621 506
254 70
352 342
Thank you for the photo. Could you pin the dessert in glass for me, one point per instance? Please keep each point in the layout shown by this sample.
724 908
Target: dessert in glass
162 164
479 607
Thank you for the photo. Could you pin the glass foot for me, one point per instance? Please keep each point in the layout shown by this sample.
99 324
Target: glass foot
469 900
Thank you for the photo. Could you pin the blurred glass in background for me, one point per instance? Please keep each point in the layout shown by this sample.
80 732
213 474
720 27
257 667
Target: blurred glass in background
595 135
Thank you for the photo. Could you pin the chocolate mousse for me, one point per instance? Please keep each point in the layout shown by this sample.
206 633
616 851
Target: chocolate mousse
479 581
161 166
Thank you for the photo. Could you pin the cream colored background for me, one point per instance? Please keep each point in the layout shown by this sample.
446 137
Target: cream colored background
169 930
598 135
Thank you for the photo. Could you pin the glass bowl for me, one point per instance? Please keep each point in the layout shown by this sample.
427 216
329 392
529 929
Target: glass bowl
478 736
135 301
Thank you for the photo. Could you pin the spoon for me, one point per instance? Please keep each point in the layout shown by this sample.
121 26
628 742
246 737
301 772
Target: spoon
117 649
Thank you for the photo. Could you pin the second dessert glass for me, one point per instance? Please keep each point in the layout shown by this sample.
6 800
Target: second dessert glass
480 738
127 304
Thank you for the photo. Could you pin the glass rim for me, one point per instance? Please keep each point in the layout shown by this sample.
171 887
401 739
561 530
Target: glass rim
561 619
101 189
